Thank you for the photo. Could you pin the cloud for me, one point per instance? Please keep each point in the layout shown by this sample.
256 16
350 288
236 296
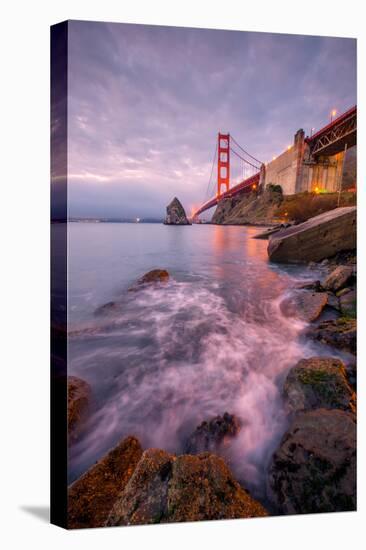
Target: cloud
146 103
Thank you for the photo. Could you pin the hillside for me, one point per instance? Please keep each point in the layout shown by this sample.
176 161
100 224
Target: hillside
271 207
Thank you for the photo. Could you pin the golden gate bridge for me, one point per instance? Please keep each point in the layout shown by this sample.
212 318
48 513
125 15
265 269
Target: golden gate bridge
233 163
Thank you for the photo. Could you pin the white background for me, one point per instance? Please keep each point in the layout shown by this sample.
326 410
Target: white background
24 305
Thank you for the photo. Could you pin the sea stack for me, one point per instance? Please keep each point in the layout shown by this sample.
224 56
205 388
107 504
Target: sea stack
175 214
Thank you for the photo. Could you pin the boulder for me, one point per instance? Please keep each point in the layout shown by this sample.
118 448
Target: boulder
78 399
347 303
311 285
91 497
338 278
213 435
165 489
340 333
319 237
314 468
333 301
271 231
305 305
318 382
151 277
175 214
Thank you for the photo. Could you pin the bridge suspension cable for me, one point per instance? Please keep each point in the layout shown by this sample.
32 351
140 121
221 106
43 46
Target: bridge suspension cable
244 151
207 194
244 160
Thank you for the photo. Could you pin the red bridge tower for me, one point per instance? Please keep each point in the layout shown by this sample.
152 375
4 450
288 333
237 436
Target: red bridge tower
223 162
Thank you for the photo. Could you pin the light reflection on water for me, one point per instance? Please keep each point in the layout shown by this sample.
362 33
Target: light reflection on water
212 340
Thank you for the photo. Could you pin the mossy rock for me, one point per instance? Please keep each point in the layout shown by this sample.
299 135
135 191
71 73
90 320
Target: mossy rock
165 488
318 382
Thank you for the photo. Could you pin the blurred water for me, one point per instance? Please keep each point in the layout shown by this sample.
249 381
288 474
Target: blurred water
211 340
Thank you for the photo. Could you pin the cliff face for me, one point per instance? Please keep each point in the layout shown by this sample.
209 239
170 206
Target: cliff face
249 209
271 207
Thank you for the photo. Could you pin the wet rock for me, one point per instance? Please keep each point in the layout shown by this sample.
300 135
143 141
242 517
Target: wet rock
305 305
318 382
351 373
340 333
151 277
314 468
311 285
91 497
347 302
213 435
333 301
347 257
338 278
319 237
175 214
78 398
165 489
342 291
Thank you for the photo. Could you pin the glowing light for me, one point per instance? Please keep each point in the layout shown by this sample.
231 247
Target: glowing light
288 147
316 190
254 186
273 158
137 220
334 112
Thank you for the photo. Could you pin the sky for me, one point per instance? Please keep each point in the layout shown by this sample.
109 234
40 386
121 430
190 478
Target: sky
145 104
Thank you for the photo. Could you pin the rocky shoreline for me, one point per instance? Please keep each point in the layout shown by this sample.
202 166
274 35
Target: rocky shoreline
313 468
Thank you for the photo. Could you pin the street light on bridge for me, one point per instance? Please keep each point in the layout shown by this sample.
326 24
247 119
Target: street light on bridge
333 114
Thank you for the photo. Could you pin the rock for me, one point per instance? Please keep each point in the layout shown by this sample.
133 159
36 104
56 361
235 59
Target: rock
211 435
340 333
314 468
351 373
338 278
78 398
348 303
271 230
165 489
342 291
305 305
318 382
154 276
311 285
175 214
348 257
333 301
91 497
319 237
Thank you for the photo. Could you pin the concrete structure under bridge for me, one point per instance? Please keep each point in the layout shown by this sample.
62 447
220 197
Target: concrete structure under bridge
323 162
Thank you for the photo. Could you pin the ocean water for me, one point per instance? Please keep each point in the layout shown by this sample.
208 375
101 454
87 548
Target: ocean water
213 339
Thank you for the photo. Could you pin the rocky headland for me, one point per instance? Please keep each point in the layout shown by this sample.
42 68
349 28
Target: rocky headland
271 208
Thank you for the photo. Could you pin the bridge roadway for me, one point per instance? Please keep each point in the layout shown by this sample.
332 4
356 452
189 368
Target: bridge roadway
244 186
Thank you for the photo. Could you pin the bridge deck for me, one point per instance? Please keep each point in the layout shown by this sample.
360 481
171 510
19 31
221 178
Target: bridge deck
244 186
